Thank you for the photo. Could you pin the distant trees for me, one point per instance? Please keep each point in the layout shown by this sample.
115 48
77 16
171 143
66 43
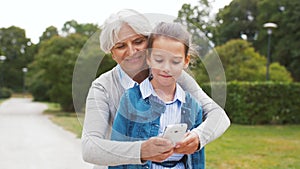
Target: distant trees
50 75
18 51
241 63
53 67
237 19
49 33
244 19
51 62
199 23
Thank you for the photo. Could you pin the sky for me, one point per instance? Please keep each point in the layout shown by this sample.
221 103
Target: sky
34 16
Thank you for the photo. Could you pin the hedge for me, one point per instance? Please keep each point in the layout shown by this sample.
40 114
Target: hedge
5 92
261 102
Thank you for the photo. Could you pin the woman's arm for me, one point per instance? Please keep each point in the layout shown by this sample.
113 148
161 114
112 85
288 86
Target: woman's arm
215 121
96 146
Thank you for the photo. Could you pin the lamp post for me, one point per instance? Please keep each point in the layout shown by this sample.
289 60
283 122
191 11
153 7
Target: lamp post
24 70
269 27
2 59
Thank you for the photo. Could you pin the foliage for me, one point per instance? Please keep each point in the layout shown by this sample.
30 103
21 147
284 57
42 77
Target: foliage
240 59
19 52
235 20
90 63
52 69
37 84
241 63
67 63
72 26
285 38
243 17
5 92
49 33
262 102
198 23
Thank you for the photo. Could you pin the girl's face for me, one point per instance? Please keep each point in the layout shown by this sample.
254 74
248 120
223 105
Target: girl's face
167 60
129 51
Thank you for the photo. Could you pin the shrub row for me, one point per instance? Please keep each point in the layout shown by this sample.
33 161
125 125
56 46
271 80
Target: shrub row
5 92
261 102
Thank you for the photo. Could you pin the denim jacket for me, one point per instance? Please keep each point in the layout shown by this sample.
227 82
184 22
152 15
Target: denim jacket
139 119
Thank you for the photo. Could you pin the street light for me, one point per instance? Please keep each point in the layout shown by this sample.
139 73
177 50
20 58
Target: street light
2 59
269 27
25 70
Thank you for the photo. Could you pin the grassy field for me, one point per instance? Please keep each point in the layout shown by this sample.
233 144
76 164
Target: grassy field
241 147
68 121
252 147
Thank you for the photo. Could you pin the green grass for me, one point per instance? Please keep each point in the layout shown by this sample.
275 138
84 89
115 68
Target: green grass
21 95
2 100
240 147
69 121
249 147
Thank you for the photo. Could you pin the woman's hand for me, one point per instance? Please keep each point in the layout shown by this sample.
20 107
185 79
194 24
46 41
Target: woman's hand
188 145
156 149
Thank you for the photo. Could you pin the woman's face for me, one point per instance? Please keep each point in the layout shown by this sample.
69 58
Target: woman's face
167 60
129 51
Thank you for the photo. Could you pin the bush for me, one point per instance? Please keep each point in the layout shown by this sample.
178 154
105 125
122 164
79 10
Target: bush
262 102
5 92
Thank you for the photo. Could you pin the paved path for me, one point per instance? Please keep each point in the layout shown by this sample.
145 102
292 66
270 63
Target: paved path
29 140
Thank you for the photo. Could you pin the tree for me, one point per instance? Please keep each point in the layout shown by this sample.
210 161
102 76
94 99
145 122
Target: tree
244 18
19 52
90 63
237 20
284 47
73 26
59 58
242 63
53 67
198 23
49 33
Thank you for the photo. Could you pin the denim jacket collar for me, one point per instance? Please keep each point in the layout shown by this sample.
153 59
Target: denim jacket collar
152 109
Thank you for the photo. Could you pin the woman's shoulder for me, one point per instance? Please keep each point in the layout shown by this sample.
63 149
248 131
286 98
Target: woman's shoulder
107 78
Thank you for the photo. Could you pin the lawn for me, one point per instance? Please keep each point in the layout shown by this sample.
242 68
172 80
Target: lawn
69 121
241 147
252 147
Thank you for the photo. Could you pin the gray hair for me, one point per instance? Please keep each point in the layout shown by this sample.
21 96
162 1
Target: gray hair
112 25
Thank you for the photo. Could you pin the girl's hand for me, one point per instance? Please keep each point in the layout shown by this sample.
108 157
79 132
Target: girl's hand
156 149
189 144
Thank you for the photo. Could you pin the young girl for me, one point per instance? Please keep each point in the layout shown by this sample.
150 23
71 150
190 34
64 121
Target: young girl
145 110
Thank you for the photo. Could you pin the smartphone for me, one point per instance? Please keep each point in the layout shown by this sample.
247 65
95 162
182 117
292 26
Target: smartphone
175 132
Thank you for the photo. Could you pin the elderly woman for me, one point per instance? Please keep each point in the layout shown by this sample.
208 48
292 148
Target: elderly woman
124 35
